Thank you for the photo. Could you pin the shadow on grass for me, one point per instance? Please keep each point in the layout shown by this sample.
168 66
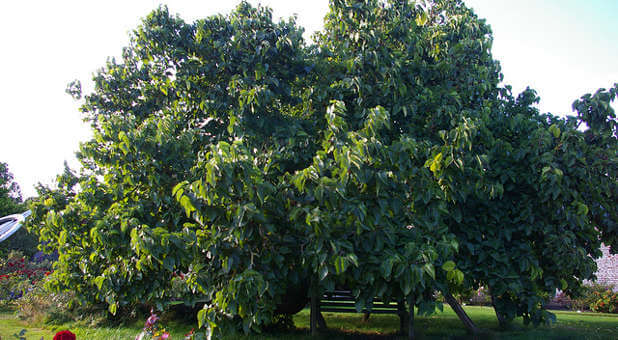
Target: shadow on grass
446 325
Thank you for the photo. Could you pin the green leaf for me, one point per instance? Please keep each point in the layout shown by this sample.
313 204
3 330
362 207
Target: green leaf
448 266
352 258
98 281
406 285
555 130
340 264
421 19
201 317
435 164
386 267
459 276
429 269
178 189
323 272
186 203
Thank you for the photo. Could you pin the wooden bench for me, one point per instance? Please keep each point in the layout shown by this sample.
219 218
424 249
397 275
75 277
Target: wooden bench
342 301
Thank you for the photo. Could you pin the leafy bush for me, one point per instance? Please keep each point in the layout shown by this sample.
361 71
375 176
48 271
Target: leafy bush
605 302
595 297
41 305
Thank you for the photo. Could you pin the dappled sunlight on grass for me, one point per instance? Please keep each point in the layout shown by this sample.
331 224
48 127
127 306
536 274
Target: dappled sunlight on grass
446 325
443 325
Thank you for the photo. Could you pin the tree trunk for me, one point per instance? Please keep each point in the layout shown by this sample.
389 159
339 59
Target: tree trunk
321 322
314 314
461 313
412 302
403 316
501 319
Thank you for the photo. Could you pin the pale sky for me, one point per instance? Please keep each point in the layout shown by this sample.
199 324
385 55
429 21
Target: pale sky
561 48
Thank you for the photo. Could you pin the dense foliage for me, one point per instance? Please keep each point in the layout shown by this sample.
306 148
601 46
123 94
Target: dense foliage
10 194
234 164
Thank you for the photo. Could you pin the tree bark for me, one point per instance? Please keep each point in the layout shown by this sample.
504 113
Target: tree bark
403 316
313 318
501 319
321 322
412 302
461 313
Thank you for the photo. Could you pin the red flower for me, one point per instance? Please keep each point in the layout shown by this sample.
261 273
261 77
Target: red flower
64 335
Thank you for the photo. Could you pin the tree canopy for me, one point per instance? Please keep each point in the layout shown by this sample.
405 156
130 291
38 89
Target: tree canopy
10 193
236 164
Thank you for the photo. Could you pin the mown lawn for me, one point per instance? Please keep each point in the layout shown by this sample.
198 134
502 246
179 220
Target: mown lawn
445 325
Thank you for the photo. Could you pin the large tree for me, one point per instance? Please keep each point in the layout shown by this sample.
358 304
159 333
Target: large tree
10 193
233 163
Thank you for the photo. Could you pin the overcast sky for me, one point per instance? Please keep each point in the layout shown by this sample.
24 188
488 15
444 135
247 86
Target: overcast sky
561 48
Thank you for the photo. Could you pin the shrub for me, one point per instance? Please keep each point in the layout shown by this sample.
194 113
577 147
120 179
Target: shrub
592 295
605 302
40 305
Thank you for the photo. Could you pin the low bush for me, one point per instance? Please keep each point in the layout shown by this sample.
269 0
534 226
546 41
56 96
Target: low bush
605 302
595 297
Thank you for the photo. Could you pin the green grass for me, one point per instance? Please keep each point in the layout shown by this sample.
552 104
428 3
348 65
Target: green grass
445 325
10 324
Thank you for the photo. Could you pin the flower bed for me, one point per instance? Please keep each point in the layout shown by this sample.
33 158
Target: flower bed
18 275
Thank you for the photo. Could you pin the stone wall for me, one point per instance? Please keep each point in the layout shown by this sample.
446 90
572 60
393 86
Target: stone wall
607 272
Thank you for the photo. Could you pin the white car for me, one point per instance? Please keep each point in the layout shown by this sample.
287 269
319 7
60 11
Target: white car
10 224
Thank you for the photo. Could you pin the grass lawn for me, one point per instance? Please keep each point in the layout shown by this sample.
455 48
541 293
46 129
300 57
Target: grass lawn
445 325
